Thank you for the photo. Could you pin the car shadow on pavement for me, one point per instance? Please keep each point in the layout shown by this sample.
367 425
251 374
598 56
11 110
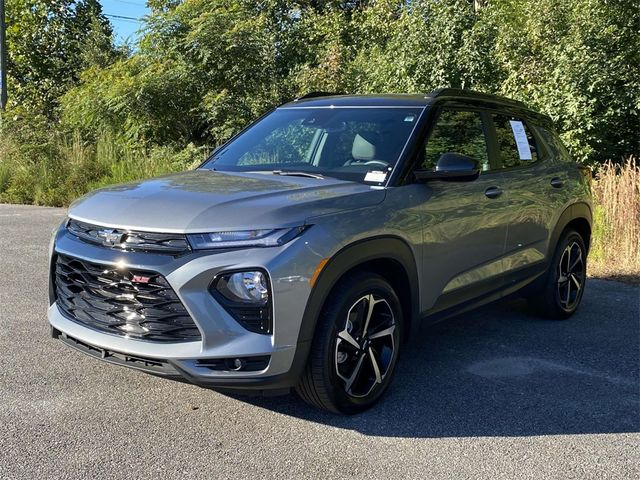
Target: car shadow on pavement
501 371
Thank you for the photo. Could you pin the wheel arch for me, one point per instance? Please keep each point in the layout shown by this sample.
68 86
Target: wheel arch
577 216
388 256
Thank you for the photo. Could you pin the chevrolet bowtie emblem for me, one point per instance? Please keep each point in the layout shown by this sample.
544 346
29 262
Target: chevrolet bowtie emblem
111 237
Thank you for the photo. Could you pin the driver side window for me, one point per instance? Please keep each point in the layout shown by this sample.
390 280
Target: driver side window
457 131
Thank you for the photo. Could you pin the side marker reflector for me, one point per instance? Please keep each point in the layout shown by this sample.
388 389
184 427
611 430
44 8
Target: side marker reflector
317 271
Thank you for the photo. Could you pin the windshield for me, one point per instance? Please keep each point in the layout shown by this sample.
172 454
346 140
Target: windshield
357 144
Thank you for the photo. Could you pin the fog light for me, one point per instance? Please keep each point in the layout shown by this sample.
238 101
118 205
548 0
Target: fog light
245 287
246 364
237 364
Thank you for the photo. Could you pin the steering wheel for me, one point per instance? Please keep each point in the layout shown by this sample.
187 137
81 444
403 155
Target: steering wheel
382 163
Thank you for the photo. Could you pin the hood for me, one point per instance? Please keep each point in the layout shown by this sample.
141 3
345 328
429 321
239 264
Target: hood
204 201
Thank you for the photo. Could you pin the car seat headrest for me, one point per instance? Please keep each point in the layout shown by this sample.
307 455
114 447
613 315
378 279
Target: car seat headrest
363 149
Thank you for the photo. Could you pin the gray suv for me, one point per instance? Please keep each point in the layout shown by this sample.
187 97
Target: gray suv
309 248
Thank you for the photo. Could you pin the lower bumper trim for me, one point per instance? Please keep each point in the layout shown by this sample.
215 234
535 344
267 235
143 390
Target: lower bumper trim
268 385
154 366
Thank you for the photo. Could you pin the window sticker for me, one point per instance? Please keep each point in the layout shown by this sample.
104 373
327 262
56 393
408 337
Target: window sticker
522 142
409 118
375 176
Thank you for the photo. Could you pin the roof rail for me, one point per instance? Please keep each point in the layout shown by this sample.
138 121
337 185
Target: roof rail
315 95
459 92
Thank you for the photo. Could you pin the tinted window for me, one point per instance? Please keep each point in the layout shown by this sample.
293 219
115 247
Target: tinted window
554 144
516 143
457 131
346 143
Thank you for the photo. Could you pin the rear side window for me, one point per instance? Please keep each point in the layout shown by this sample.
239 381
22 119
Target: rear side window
457 131
554 144
516 143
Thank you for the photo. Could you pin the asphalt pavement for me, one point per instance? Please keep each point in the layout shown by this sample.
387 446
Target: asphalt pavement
497 393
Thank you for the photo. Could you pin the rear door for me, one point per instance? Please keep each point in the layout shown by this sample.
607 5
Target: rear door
536 193
464 222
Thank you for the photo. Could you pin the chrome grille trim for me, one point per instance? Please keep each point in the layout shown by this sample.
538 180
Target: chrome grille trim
129 240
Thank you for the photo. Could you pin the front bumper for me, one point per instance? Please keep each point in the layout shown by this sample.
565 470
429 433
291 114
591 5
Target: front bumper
183 370
289 268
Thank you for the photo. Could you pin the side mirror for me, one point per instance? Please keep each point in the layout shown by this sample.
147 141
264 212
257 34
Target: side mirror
451 166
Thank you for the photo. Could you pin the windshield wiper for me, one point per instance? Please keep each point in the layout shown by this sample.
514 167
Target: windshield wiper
298 174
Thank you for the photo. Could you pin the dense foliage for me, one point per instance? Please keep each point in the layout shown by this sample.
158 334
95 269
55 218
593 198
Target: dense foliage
50 43
204 68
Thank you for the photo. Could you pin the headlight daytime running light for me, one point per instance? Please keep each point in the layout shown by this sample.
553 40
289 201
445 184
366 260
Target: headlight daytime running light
244 238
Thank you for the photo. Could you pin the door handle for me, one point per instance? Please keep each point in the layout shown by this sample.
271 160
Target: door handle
556 182
493 192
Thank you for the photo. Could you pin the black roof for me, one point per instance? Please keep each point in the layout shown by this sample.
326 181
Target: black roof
317 99
471 94
321 99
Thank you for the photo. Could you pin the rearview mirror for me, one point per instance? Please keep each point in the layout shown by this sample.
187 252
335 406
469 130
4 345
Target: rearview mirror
451 166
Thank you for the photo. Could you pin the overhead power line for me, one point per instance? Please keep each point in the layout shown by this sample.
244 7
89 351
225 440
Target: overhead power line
122 17
130 2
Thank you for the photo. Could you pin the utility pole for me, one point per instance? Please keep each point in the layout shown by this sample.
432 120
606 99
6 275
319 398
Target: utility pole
3 58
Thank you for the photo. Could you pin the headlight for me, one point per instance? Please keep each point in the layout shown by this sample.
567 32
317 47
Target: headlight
246 296
244 238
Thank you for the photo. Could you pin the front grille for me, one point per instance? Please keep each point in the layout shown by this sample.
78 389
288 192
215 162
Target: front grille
131 303
169 243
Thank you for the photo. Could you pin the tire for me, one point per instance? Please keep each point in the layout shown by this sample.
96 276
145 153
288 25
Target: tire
560 294
340 375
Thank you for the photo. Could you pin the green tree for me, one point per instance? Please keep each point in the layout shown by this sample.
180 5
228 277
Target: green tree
576 60
413 47
203 69
49 43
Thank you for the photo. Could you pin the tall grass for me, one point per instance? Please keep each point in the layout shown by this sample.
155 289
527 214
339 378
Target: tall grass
616 234
64 167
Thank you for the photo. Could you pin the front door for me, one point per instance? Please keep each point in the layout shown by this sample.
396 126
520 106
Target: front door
464 222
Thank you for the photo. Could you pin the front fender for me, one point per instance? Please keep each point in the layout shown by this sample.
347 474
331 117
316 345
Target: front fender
347 259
